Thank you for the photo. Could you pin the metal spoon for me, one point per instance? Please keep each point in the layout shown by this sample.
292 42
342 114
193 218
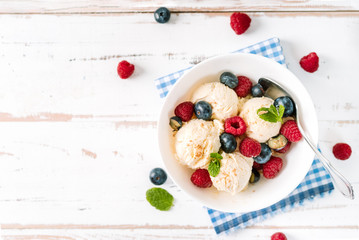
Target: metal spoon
273 89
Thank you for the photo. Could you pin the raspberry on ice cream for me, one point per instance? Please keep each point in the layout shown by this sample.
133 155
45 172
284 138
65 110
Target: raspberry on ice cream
310 63
250 147
290 131
257 166
125 69
342 151
201 178
235 126
244 86
240 22
184 111
272 167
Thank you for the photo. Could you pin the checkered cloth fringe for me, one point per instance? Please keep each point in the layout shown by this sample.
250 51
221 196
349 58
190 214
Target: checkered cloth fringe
316 183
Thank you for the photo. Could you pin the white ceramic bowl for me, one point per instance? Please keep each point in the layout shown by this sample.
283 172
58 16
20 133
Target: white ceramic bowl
296 162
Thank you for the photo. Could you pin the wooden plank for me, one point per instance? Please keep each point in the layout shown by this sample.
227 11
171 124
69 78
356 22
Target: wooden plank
91 89
200 234
97 6
87 173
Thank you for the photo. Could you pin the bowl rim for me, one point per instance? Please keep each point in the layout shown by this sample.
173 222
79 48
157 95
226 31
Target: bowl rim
171 92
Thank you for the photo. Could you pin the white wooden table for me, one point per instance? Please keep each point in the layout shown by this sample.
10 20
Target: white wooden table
77 142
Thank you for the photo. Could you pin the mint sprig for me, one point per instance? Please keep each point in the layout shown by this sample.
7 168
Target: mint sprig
215 164
271 114
159 198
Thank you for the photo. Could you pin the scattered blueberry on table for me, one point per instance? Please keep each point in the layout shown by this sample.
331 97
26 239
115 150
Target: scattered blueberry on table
162 15
158 176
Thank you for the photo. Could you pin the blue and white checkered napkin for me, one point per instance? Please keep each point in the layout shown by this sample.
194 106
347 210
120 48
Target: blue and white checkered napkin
316 183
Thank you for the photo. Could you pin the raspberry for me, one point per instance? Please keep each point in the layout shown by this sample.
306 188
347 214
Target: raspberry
290 131
272 167
125 69
278 236
184 111
235 126
257 166
244 86
285 149
342 151
240 22
250 147
201 178
310 63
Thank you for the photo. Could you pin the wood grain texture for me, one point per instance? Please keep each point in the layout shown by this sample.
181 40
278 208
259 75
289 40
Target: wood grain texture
74 135
113 6
200 234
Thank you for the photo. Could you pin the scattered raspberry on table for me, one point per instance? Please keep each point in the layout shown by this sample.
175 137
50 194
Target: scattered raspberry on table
125 69
278 236
310 63
240 22
342 151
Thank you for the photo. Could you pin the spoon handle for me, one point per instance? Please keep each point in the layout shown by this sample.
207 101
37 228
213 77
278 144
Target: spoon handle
340 182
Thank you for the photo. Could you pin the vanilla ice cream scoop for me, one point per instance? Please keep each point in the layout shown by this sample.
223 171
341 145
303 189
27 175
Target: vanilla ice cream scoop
196 140
224 101
234 173
258 128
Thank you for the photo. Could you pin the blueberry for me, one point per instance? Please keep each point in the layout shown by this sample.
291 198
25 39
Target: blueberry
255 176
162 15
265 154
203 110
158 176
257 90
229 79
288 104
175 123
228 142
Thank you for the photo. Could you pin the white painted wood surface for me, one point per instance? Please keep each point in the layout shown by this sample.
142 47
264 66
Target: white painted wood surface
118 6
77 143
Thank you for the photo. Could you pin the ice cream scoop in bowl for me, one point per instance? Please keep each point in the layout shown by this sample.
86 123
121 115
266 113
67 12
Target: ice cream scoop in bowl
274 89
296 162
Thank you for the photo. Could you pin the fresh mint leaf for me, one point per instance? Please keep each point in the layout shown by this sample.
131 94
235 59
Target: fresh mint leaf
266 115
215 155
159 198
214 167
281 111
269 117
271 114
272 109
